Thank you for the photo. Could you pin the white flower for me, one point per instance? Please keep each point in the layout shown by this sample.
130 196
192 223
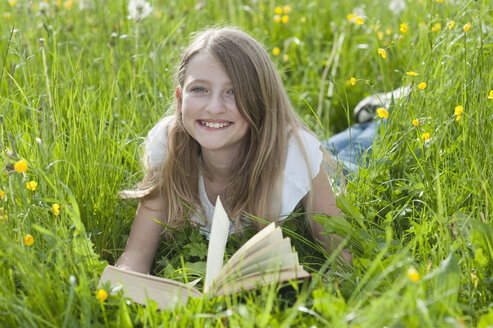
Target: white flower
138 9
397 6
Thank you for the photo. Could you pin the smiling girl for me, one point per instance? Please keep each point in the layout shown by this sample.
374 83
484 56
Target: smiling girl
234 134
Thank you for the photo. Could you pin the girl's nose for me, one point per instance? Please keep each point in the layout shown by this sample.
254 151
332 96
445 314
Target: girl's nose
216 104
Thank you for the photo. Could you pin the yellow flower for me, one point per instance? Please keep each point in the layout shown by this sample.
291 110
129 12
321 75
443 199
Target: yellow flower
439 0
21 166
426 136
12 3
277 18
458 118
467 27
278 10
413 274
351 16
303 20
360 21
286 9
422 86
285 19
2 194
450 24
458 110
382 53
68 4
411 73
403 28
285 58
436 27
101 295
416 122
6 16
382 112
56 209
352 81
3 214
31 185
490 96
28 240
388 31
380 35
276 51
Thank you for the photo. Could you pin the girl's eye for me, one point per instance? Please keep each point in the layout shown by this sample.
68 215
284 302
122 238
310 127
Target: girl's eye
231 92
198 89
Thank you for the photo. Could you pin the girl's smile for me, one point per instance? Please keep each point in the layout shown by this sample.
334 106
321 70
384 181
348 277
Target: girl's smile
208 106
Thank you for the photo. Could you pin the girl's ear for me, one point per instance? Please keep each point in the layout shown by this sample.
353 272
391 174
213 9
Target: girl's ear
178 98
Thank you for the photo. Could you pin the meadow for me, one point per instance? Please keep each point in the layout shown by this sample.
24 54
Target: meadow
82 82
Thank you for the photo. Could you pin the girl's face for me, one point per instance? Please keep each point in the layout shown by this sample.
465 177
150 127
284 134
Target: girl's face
208 106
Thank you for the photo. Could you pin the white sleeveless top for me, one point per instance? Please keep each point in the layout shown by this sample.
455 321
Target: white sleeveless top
296 182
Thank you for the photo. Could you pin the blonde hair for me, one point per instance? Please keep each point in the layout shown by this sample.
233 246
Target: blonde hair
255 185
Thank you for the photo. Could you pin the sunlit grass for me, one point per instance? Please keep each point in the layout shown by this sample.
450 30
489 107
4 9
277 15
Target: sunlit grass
81 84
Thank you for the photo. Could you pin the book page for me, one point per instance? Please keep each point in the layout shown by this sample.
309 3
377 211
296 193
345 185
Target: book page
262 239
259 279
217 244
139 287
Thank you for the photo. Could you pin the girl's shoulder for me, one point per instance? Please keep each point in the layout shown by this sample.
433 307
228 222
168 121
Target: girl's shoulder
156 143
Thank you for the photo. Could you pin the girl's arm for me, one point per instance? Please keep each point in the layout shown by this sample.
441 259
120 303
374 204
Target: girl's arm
144 238
324 201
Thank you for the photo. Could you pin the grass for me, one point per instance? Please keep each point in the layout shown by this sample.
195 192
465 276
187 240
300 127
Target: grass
80 88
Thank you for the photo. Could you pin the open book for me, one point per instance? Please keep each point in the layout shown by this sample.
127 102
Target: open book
265 258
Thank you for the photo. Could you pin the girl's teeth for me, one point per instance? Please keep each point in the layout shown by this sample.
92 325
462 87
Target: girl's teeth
214 125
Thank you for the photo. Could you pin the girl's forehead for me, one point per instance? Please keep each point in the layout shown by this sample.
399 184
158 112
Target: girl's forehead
204 66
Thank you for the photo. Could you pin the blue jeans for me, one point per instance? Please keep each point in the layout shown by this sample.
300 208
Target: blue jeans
350 146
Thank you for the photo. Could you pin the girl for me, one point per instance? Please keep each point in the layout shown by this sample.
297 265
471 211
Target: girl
234 134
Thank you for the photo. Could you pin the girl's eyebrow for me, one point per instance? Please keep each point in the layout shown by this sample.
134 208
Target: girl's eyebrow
192 80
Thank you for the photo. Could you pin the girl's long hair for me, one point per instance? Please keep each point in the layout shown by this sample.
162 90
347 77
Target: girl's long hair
255 184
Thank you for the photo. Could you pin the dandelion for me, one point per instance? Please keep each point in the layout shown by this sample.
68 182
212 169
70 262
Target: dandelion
21 166
439 0
359 21
397 6
286 9
436 27
28 240
458 118
458 110
101 295
285 19
413 274
422 86
12 3
467 27
380 35
382 113
450 24
490 96
2 194
31 185
6 16
426 136
277 18
68 4
138 9
352 81
411 73
276 51
278 10
403 28
351 16
382 53
56 209
415 122
3 215
388 31
285 58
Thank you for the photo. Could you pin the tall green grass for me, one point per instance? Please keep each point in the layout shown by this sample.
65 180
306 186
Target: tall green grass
80 88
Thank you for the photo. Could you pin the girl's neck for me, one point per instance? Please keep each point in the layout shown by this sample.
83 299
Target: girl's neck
217 165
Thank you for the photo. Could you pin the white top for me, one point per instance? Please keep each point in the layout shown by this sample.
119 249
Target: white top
296 182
